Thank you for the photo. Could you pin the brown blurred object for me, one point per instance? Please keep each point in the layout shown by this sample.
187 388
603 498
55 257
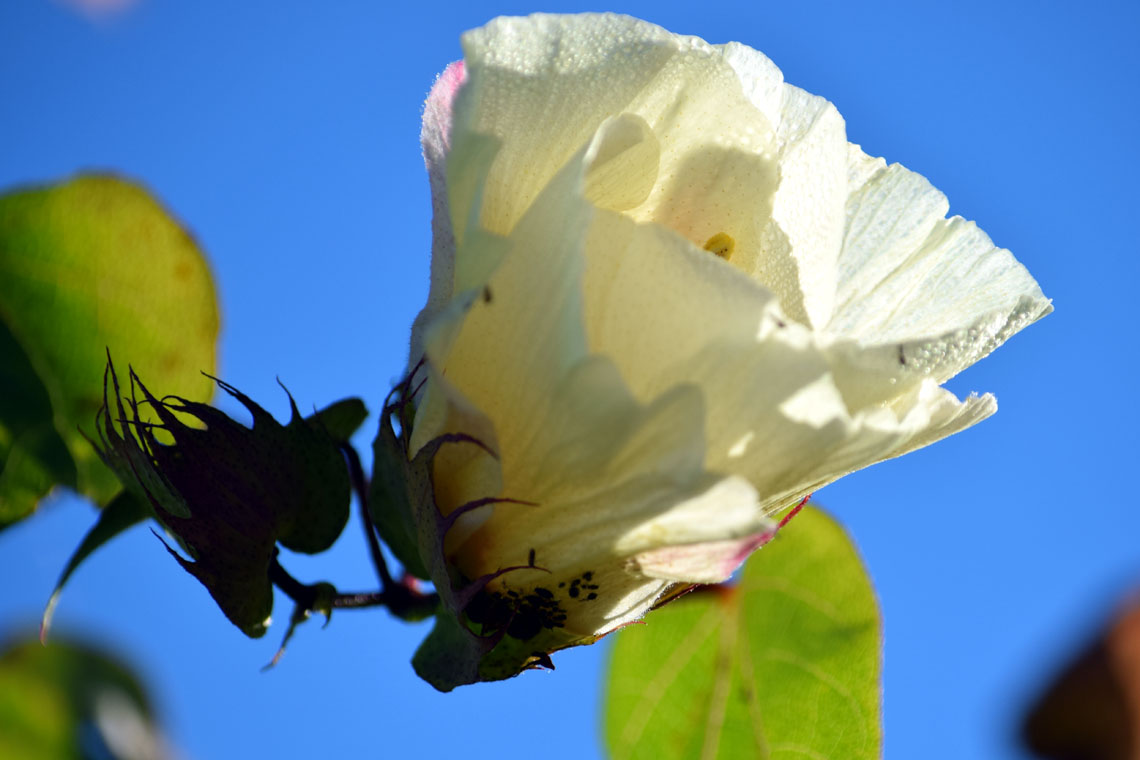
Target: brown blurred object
1092 710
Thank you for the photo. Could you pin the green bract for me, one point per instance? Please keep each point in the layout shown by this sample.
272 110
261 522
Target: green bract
230 493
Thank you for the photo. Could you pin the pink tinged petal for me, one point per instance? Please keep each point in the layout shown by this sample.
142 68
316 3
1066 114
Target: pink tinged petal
710 562
435 137
436 134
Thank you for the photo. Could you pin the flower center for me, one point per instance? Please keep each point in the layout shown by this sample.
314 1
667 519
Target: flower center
722 244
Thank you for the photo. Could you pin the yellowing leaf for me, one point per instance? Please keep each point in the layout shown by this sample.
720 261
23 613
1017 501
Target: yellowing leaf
92 264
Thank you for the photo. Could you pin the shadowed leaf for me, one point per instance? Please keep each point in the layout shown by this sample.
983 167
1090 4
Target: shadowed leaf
783 666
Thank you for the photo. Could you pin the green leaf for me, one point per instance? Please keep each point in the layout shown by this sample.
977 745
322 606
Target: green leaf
86 265
228 492
124 511
784 665
450 655
67 701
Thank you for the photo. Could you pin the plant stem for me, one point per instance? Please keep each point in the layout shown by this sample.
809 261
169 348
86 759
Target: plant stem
360 486
305 595
403 598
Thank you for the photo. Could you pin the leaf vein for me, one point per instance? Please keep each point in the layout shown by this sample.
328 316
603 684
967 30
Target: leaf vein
656 689
827 679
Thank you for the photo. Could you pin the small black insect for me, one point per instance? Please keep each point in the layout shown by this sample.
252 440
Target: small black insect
530 558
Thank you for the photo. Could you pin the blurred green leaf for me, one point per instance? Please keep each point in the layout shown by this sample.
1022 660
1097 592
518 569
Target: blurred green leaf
785 664
33 456
229 492
86 265
68 701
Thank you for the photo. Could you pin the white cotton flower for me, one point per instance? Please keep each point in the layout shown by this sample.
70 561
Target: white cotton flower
673 301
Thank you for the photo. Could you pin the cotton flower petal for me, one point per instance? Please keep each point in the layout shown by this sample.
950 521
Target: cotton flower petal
529 301
527 80
624 163
709 562
936 287
806 227
780 420
642 275
604 476
435 138
808 210
558 417
761 80
609 479
927 415
775 413
544 83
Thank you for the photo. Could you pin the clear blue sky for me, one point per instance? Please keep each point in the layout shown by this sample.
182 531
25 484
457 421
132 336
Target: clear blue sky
285 135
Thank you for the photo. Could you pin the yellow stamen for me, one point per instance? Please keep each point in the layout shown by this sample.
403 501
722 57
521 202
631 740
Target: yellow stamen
721 244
